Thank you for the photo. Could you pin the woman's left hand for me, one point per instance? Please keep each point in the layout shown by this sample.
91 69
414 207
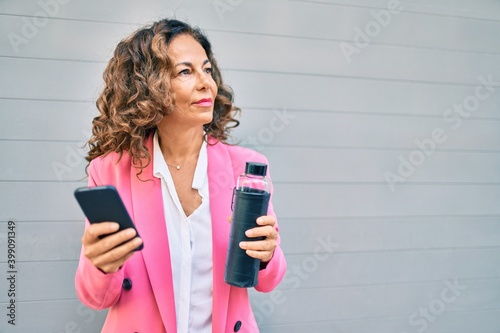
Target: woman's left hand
262 249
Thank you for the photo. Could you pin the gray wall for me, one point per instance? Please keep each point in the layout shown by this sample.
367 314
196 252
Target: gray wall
385 156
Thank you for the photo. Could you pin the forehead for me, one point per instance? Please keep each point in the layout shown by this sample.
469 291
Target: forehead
185 48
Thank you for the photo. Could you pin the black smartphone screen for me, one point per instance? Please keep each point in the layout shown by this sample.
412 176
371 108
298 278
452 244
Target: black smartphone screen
103 204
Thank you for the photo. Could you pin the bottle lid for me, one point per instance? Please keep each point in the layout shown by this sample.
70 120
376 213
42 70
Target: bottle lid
255 168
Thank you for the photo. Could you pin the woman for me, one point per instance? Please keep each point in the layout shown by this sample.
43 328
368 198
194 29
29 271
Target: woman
160 139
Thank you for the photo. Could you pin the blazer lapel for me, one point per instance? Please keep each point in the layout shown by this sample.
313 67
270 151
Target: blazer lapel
221 184
148 209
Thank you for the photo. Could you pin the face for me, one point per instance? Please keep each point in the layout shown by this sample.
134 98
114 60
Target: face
192 85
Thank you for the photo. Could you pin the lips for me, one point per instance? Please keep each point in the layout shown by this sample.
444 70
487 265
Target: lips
204 102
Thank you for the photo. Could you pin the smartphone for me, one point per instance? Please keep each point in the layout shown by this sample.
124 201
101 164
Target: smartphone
103 204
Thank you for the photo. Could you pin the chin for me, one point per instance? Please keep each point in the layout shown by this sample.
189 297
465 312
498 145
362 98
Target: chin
207 119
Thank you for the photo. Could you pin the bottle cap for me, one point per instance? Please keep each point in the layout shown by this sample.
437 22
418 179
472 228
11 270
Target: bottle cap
255 168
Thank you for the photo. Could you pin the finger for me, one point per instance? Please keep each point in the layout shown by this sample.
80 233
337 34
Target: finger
115 266
264 245
265 231
230 219
112 241
95 230
108 243
267 220
116 256
263 256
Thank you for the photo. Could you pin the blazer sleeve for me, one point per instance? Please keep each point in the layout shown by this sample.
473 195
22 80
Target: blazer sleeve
273 273
96 289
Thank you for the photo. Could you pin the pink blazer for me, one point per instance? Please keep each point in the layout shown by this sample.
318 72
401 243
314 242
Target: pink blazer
140 295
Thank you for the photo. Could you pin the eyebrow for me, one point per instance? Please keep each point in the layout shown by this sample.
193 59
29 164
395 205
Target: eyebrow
187 63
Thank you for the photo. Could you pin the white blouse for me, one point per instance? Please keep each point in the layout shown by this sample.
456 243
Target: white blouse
190 241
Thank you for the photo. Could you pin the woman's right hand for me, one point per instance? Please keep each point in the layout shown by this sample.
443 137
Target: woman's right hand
105 253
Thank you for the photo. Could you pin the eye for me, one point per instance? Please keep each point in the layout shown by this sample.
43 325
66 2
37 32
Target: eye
208 70
184 72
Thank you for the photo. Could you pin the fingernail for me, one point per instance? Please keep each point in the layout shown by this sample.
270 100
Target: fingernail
130 232
114 226
243 245
260 220
248 233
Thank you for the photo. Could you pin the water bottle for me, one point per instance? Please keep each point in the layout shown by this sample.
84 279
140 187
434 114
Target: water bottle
250 201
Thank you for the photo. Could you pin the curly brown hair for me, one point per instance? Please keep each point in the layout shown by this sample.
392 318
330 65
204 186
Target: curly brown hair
137 94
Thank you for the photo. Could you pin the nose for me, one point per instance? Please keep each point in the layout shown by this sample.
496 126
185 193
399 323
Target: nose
204 80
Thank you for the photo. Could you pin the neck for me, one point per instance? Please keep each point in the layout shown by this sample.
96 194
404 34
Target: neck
180 146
